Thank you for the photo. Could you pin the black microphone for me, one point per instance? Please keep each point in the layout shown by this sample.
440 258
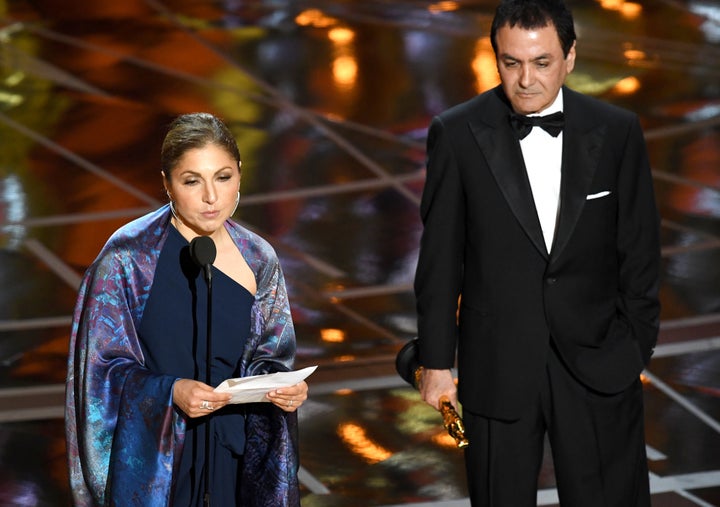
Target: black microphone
203 252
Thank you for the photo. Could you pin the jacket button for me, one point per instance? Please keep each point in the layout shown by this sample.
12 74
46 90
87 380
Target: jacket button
550 280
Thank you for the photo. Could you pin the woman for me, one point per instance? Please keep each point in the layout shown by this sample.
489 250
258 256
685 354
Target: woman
137 408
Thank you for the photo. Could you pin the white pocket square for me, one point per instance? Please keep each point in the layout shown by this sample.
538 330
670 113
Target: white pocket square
598 195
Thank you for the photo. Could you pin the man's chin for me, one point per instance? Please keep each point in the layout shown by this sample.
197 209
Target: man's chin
529 104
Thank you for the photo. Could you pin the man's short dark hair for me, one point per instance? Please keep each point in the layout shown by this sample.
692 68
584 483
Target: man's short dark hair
529 14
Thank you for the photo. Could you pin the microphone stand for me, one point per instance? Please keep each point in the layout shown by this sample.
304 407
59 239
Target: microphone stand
208 380
203 252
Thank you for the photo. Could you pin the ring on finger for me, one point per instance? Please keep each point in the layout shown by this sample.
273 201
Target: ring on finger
290 403
205 405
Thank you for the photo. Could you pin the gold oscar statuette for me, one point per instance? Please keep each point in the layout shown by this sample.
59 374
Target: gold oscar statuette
409 369
452 422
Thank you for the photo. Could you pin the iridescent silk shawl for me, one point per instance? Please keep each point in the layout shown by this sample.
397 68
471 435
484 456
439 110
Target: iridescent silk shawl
124 436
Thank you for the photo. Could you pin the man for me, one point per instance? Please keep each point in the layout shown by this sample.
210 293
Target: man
539 262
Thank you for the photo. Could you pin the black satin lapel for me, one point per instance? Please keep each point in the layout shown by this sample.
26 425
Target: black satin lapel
504 157
581 155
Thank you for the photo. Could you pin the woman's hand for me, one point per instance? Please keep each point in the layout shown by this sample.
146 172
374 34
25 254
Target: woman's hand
197 399
289 398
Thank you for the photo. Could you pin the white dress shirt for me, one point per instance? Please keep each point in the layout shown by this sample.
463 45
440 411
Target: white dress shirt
543 157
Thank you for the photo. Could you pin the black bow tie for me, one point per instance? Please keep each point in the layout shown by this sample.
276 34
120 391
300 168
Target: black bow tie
552 123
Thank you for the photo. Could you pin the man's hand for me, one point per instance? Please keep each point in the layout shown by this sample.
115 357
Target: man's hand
437 384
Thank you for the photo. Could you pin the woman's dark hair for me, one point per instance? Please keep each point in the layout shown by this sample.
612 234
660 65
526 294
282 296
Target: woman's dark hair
529 14
191 131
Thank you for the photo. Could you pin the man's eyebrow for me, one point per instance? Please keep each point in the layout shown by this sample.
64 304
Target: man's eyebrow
544 56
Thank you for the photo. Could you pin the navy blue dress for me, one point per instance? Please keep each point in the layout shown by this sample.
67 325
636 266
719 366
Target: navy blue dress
173 338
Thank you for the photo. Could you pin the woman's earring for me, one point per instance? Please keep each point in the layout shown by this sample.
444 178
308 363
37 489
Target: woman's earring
237 202
172 208
174 213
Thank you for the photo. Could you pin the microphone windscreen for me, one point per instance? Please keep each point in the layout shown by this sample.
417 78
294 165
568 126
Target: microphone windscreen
406 362
203 251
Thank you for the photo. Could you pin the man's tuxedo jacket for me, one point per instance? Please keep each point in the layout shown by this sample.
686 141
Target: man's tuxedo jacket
486 286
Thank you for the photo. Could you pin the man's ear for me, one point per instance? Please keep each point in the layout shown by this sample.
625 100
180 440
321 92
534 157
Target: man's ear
570 59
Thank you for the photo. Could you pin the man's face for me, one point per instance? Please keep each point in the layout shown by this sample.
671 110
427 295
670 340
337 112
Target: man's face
532 66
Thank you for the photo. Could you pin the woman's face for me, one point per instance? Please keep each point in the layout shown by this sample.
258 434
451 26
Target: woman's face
204 186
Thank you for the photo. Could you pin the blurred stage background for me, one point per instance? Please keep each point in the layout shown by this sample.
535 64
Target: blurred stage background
330 101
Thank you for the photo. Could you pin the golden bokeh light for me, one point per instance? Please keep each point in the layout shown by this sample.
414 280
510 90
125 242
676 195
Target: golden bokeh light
341 35
344 65
344 71
627 86
316 18
446 6
484 66
356 438
443 439
332 335
634 54
629 10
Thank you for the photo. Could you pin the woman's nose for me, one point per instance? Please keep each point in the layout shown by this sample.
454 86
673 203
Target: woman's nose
210 194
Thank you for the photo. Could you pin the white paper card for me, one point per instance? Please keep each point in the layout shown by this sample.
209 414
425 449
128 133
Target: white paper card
253 389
